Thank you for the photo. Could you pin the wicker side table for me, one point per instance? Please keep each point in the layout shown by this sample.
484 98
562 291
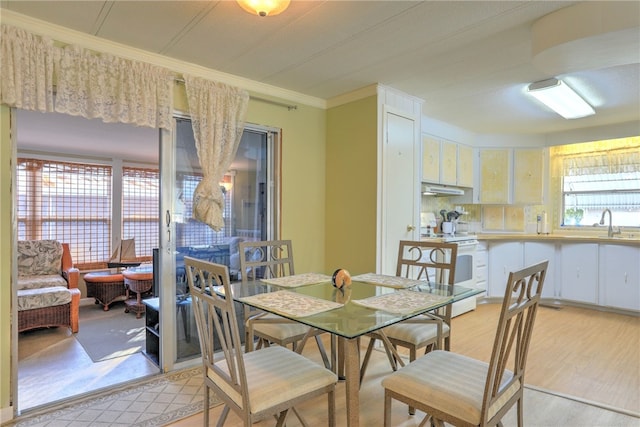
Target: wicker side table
105 287
138 281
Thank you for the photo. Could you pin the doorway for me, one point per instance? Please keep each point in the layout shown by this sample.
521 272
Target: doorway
53 356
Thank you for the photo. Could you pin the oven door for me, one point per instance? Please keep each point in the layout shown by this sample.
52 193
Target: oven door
465 276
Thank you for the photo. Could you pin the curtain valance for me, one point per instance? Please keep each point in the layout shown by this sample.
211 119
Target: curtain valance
27 62
606 162
88 84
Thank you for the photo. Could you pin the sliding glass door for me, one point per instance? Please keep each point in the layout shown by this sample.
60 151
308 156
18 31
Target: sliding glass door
250 190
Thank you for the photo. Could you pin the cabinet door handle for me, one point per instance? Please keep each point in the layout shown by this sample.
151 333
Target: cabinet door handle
410 227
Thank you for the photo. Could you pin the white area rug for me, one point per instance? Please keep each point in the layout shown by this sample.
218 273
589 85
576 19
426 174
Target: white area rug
153 402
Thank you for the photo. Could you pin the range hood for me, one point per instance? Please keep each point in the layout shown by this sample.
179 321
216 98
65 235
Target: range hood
441 190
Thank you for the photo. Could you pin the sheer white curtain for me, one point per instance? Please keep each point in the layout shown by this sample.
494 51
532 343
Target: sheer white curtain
27 63
217 116
605 162
114 89
88 84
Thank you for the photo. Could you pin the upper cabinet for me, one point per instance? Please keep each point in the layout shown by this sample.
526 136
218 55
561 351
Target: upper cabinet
446 162
495 183
465 166
430 159
528 167
511 176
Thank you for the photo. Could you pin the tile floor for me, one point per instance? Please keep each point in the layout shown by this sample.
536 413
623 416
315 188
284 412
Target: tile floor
55 358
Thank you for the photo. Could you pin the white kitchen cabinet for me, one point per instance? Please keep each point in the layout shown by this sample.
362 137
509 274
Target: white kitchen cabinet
535 252
430 159
446 162
619 277
579 277
511 176
504 257
481 260
465 166
528 173
449 162
495 176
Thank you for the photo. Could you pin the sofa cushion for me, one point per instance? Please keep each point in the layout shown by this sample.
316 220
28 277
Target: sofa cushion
43 297
37 257
40 281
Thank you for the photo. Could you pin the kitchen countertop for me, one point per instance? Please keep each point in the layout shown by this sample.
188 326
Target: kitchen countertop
630 239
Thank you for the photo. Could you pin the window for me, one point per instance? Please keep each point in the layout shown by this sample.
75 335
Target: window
195 233
599 176
73 203
68 202
140 207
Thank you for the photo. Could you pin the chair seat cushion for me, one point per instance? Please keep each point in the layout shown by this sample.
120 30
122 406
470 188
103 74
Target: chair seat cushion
449 382
276 375
29 299
278 331
40 281
415 333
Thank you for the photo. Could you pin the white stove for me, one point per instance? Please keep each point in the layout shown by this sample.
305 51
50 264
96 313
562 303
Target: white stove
465 266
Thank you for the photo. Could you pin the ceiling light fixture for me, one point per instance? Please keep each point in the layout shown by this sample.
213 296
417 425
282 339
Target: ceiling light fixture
264 7
556 95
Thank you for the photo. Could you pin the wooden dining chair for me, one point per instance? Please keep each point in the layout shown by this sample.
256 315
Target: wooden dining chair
256 385
264 260
433 262
463 391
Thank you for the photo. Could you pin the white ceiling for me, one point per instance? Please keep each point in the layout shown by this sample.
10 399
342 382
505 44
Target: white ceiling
470 61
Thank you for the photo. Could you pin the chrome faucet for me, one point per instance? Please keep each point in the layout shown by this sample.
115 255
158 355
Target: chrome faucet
610 231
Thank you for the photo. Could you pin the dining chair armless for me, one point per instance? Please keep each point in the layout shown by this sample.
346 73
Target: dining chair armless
463 391
256 385
433 262
265 260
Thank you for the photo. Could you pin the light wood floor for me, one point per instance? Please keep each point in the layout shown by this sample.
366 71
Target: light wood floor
584 353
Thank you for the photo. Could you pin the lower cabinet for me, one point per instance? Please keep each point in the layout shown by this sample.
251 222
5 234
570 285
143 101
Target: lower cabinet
579 272
535 252
504 257
607 275
619 276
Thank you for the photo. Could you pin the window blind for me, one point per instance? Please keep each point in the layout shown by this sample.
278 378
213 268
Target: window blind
68 202
140 208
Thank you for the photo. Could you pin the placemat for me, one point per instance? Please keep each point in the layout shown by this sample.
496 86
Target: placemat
403 302
290 303
389 281
296 280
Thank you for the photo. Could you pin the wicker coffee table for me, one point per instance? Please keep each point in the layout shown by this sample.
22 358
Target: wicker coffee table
105 287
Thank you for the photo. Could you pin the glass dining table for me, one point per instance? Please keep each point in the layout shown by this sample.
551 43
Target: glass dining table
370 303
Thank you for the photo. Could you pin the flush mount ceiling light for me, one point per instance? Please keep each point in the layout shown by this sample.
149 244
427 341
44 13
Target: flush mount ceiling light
556 95
264 7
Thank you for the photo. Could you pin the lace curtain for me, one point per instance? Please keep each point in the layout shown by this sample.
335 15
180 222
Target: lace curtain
606 162
88 84
217 116
114 89
27 63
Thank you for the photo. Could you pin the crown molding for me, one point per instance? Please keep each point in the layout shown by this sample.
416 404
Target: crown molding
65 35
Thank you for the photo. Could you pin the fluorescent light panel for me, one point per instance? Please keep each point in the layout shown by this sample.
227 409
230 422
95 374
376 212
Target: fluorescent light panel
556 95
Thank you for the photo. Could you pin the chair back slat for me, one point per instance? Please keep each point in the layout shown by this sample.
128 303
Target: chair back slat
513 335
265 259
430 261
217 323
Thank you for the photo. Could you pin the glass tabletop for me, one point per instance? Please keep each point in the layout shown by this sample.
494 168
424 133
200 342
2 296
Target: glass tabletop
343 311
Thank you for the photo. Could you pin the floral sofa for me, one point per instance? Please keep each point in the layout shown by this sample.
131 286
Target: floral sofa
48 293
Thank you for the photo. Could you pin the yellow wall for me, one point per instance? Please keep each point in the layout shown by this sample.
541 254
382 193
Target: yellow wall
351 186
5 262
